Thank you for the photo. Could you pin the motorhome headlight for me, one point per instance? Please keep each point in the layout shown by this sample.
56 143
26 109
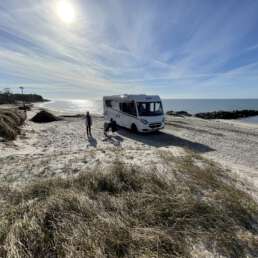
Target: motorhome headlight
144 121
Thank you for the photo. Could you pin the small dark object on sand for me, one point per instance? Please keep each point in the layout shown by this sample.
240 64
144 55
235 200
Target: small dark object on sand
73 116
25 108
44 117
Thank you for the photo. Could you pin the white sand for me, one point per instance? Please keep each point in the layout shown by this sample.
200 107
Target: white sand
231 143
62 148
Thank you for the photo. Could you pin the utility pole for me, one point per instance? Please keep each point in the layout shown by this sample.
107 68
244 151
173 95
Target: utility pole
22 89
7 92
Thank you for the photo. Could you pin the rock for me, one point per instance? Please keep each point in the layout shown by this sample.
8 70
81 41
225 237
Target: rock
227 114
44 117
178 113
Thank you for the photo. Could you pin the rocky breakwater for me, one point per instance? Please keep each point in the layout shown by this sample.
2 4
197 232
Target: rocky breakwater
178 113
227 114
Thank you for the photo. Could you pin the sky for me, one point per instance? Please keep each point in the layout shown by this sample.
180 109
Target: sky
89 48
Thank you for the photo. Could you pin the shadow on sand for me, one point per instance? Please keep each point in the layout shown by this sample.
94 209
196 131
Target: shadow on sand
116 140
164 139
92 142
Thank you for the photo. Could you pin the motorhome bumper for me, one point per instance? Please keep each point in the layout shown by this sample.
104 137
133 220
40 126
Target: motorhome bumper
153 129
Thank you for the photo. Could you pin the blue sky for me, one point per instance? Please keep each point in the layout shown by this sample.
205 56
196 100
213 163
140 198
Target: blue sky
174 48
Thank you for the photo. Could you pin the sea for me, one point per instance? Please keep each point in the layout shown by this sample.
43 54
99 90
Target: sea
192 106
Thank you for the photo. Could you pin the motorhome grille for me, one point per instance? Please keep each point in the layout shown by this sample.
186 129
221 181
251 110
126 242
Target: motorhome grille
154 125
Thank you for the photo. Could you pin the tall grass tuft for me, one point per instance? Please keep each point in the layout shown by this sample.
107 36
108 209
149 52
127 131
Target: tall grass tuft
128 212
10 120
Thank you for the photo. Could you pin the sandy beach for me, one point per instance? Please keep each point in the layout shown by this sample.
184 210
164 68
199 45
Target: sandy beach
62 149
193 171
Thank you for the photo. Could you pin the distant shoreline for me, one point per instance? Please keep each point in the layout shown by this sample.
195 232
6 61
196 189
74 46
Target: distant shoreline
95 107
17 98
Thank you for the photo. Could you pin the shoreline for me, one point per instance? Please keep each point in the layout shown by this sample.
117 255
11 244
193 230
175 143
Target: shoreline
40 105
95 107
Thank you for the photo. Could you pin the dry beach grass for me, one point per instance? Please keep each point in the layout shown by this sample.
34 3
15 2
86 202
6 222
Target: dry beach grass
126 211
10 121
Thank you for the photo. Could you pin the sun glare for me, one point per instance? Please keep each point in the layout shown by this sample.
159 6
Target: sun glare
66 11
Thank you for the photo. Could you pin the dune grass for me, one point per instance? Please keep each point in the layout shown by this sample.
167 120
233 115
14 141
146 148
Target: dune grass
128 212
10 120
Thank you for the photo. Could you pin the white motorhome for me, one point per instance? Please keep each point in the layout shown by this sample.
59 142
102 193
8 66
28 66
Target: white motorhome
136 112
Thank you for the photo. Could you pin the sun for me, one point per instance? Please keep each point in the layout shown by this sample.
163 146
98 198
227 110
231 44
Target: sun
66 11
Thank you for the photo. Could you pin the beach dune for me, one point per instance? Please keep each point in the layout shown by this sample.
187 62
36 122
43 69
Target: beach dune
129 191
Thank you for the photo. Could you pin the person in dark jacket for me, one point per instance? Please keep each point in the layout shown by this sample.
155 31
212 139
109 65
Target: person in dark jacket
88 123
112 125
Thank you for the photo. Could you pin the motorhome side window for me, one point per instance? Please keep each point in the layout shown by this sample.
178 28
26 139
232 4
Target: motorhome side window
108 103
128 107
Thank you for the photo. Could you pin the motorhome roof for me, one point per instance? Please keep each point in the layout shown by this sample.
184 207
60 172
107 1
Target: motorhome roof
134 97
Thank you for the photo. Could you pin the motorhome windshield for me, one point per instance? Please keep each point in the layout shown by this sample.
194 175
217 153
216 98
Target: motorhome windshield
149 108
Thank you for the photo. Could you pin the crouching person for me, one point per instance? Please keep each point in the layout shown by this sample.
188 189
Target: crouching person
111 125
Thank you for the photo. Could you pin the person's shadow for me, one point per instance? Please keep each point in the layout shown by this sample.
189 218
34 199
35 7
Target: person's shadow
92 142
116 140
